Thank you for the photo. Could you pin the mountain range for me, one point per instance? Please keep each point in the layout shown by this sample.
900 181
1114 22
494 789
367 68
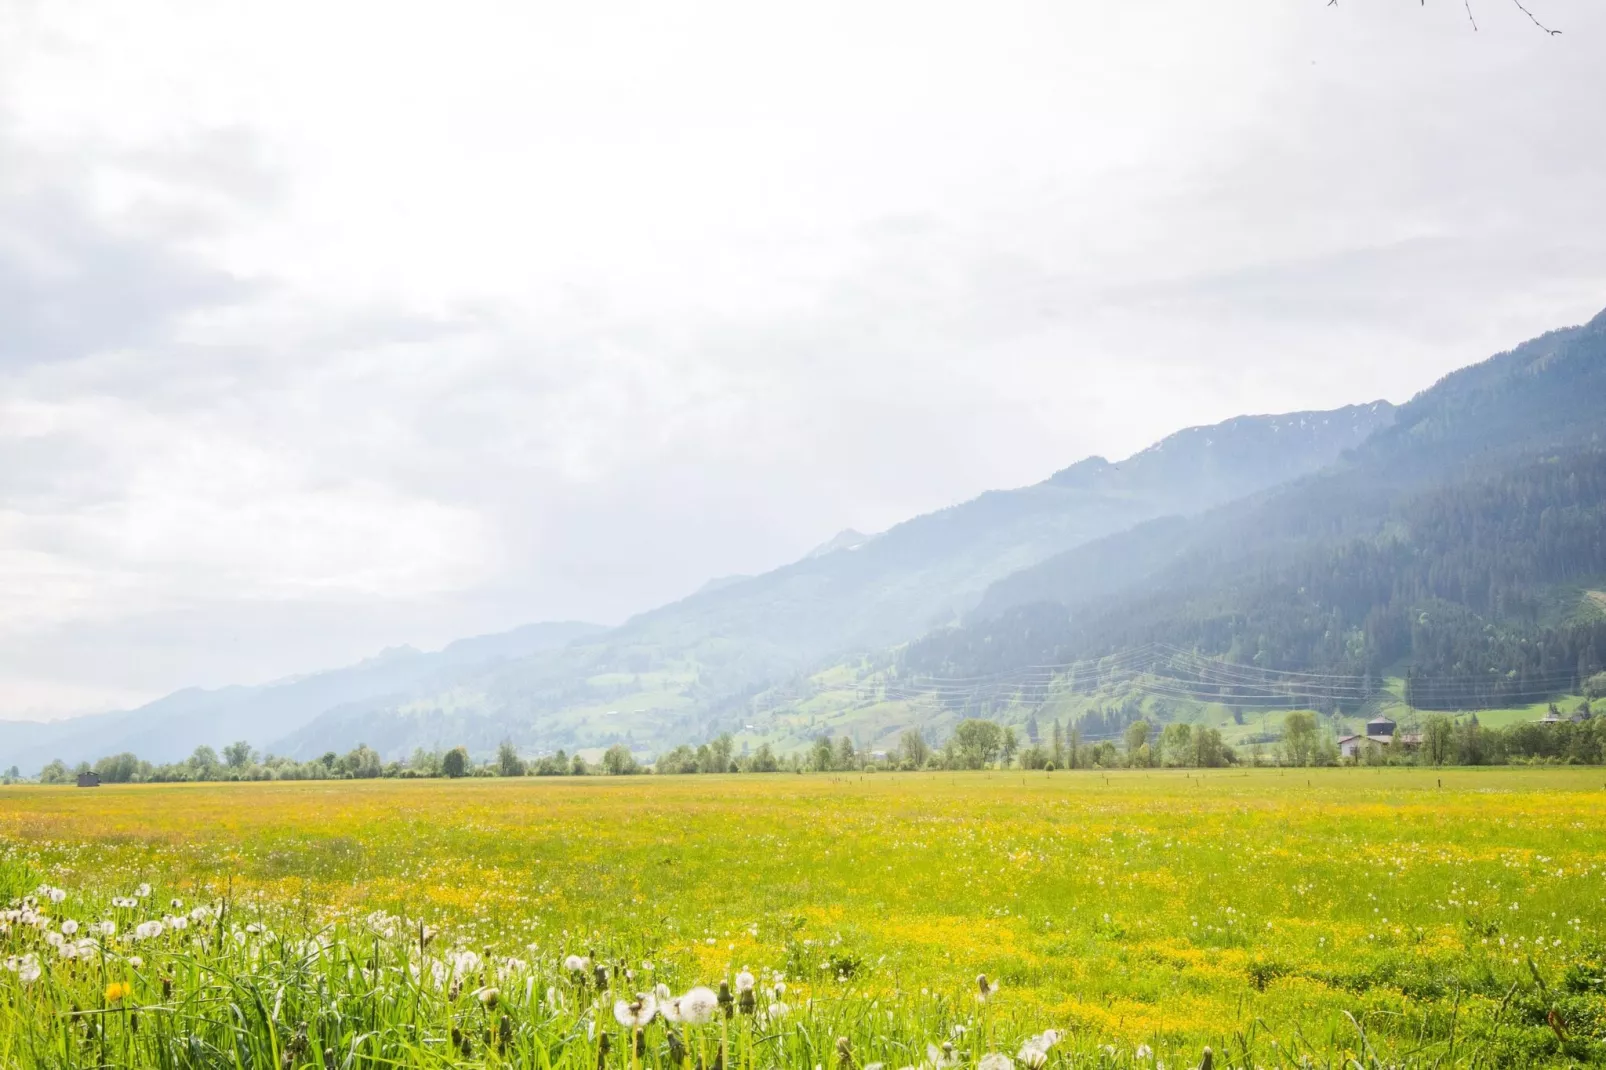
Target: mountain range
692 667
1461 544
1350 541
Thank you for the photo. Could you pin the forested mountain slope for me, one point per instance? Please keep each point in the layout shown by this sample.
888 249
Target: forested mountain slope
1461 540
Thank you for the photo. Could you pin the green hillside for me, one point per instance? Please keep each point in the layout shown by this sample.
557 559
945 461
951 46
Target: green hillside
692 668
1464 541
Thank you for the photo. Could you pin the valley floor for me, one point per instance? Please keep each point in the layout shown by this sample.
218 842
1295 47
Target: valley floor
1414 913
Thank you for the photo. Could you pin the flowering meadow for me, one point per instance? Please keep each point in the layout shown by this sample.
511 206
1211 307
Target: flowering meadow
1242 918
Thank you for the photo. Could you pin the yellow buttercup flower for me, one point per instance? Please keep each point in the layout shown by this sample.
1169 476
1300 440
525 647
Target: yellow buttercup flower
117 991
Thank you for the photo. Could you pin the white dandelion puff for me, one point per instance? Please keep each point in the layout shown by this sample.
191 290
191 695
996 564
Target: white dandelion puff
69 927
147 930
995 1060
142 891
697 1006
745 981
1034 1051
637 1012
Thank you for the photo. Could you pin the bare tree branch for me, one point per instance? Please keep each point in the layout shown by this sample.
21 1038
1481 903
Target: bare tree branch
1468 5
1536 22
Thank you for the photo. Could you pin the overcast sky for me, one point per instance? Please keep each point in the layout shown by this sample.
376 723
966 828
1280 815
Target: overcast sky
326 327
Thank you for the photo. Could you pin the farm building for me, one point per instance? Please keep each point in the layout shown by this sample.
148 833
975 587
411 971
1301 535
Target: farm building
89 780
1379 731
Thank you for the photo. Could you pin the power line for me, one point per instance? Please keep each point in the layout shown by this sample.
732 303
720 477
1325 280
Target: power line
1166 671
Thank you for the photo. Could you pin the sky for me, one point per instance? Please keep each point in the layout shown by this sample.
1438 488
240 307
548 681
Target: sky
327 328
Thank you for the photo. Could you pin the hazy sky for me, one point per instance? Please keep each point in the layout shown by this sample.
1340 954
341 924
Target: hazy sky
325 327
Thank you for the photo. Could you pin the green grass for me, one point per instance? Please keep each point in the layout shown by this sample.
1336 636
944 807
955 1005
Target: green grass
1351 916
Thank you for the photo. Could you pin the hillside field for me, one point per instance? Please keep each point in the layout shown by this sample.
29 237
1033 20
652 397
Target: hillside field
1394 916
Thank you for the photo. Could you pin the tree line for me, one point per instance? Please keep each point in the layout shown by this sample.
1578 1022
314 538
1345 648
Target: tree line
1306 739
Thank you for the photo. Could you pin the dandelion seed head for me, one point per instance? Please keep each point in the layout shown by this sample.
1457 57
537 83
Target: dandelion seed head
697 1006
634 1014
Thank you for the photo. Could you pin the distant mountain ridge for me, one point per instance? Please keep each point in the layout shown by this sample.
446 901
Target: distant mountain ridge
1238 456
846 539
689 668
171 727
